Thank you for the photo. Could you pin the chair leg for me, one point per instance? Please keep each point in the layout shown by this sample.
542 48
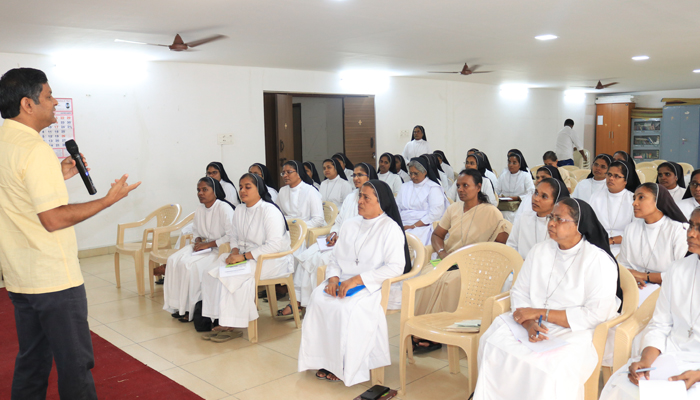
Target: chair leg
473 370
377 376
138 261
272 299
409 350
253 331
293 301
453 358
607 373
151 266
404 347
116 269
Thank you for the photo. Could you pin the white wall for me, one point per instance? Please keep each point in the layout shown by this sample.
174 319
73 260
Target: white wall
653 99
163 130
321 128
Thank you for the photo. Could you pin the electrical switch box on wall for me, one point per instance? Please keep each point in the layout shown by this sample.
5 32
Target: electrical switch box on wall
225 138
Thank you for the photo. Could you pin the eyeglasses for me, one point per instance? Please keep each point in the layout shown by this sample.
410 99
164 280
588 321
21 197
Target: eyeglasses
557 220
615 176
694 185
287 172
414 174
358 175
694 227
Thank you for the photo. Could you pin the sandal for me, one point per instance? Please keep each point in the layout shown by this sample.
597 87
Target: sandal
280 314
185 318
432 346
332 380
210 335
224 336
322 371
176 315
160 281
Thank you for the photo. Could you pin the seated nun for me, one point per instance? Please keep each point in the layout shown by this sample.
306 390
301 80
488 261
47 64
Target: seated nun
543 172
596 180
313 173
335 188
531 227
671 332
515 182
259 228
435 164
476 161
445 165
211 227
550 158
691 196
621 155
489 170
389 173
216 170
421 201
312 258
400 165
298 198
345 334
345 163
470 220
572 283
670 176
613 206
262 171
650 244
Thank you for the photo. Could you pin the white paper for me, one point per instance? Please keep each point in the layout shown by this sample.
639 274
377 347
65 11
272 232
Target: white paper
655 390
322 246
469 322
505 198
600 120
647 291
666 367
205 251
520 334
226 271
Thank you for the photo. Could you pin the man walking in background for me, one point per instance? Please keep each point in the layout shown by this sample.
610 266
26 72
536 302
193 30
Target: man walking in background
567 142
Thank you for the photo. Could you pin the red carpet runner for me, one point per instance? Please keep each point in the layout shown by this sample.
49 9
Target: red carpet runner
117 375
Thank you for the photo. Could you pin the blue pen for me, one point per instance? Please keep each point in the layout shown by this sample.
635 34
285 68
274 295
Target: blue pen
539 324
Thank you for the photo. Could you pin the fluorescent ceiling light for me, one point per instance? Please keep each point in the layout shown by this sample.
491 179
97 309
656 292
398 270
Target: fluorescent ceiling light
697 71
640 58
546 37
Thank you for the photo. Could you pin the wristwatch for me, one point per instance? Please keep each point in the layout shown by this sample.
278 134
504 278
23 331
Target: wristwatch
244 257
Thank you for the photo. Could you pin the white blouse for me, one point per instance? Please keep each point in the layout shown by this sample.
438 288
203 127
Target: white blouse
528 230
335 190
614 211
213 223
231 192
404 176
273 194
449 171
302 201
415 148
677 193
393 180
347 211
586 188
652 247
517 184
687 206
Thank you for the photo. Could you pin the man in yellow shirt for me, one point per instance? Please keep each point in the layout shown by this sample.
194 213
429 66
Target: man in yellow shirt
38 248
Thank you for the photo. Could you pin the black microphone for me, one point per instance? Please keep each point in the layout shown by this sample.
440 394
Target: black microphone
72 148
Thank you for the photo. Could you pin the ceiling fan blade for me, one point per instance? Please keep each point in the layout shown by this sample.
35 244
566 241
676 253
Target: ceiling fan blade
481 72
205 40
474 68
132 42
587 87
610 84
443 72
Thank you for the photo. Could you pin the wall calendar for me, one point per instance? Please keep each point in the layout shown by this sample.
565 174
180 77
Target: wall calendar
56 134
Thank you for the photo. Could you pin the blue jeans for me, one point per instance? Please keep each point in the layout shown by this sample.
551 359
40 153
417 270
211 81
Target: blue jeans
53 326
562 163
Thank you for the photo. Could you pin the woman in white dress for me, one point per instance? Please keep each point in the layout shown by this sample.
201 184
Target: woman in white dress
434 163
216 170
621 155
212 226
259 228
596 179
313 173
262 171
572 282
345 335
313 257
691 196
388 172
336 186
400 165
476 161
670 176
531 227
671 333
516 181
345 163
543 172
489 170
421 201
418 145
613 207
298 198
445 165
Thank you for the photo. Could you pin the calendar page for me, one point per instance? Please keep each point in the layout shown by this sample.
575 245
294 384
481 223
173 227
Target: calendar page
57 134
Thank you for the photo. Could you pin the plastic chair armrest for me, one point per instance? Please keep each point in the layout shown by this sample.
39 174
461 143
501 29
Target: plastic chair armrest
320 275
314 233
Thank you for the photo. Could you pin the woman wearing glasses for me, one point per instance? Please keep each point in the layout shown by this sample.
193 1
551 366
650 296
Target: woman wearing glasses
299 198
613 207
692 195
572 283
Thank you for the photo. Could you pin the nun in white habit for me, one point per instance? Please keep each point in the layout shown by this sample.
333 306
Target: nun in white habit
388 173
262 171
345 336
476 161
259 228
571 282
445 165
674 330
596 180
312 258
421 201
311 171
691 196
299 198
216 170
418 145
345 164
212 227
543 172
400 164
670 175
613 207
336 186
516 181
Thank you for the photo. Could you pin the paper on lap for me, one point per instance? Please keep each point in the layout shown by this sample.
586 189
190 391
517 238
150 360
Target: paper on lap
520 334
322 245
646 291
654 390
205 251
241 268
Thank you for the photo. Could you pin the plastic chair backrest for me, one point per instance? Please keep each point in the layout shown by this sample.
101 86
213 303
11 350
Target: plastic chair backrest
580 174
571 168
658 162
330 212
627 331
649 174
165 216
297 231
163 234
642 176
533 171
646 164
573 182
687 168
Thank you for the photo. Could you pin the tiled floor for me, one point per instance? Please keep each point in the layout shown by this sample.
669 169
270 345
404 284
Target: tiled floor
236 369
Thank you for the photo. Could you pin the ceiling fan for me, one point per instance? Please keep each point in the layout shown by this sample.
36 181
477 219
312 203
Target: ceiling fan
599 86
465 71
178 43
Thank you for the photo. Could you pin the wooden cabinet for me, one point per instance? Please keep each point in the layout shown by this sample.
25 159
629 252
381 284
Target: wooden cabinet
612 131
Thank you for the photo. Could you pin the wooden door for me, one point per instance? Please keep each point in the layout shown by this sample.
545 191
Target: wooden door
359 129
603 129
279 135
621 126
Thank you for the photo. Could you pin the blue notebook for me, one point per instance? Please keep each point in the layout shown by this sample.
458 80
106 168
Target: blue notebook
354 290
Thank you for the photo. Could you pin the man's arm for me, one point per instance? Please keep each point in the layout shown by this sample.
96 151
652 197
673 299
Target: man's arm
66 216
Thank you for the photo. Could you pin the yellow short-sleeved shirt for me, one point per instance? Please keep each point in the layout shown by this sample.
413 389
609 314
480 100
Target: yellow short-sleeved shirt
33 260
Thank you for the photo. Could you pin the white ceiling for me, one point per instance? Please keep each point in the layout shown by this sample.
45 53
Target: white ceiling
405 37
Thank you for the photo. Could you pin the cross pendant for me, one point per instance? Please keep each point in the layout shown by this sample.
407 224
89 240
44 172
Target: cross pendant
690 332
357 261
546 305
